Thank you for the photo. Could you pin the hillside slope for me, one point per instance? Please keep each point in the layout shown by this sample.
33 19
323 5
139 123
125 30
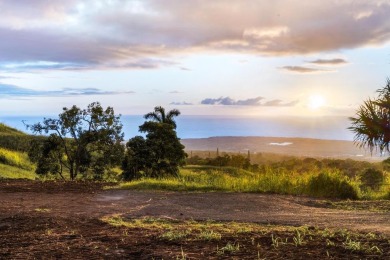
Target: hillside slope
15 140
7 130
14 162
282 145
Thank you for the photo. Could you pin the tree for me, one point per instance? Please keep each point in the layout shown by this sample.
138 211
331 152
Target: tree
372 122
160 153
137 161
80 141
159 116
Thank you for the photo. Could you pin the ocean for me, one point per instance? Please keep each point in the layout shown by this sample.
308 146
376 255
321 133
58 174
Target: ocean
328 127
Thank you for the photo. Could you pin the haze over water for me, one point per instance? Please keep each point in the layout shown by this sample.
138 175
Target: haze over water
328 127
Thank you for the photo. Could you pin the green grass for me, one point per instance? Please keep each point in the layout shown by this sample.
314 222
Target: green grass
9 130
16 159
15 165
11 172
328 183
227 238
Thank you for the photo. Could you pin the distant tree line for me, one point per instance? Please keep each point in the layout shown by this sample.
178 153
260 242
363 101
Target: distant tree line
234 160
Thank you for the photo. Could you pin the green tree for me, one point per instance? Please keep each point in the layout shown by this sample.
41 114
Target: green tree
137 161
80 141
372 122
160 153
159 116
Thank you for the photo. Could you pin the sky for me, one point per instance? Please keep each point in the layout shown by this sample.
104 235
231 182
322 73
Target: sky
222 57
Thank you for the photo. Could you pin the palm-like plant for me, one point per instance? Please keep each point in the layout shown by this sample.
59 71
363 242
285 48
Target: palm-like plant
372 122
159 115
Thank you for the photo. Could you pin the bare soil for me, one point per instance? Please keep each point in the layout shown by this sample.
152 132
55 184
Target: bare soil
57 220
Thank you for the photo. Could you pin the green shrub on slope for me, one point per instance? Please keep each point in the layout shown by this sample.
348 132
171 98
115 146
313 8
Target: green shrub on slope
330 185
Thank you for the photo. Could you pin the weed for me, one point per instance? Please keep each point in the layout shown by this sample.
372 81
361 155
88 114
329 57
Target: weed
276 241
352 245
230 248
209 235
182 256
329 243
42 210
298 238
174 235
375 250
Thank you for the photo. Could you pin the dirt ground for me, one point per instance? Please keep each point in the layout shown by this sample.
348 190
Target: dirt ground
56 220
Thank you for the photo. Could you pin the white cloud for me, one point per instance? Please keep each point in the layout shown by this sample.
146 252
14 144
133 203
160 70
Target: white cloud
100 34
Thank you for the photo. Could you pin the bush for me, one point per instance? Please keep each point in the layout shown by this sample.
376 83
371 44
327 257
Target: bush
331 186
372 178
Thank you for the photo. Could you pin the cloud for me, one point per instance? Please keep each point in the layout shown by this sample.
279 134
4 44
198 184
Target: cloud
175 92
249 102
7 90
99 34
8 77
280 103
329 61
181 103
301 69
227 101
86 92
12 90
44 65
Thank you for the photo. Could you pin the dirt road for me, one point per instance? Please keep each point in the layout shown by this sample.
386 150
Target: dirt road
29 212
241 207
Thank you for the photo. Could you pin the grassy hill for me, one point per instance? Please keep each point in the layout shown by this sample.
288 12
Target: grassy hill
15 140
7 130
14 162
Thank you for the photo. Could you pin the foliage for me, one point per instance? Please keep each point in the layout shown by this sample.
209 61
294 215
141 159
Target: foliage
160 153
234 160
372 122
331 186
372 178
160 116
136 162
327 183
79 141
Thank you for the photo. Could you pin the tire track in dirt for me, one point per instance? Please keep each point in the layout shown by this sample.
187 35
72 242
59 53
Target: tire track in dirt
240 207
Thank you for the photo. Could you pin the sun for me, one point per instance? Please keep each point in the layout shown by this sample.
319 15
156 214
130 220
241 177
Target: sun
316 101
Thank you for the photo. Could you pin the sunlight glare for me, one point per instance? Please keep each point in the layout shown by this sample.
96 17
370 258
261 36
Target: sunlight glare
316 101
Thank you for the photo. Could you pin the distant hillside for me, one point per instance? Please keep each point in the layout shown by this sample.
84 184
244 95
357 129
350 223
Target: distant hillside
14 162
4 129
281 145
15 140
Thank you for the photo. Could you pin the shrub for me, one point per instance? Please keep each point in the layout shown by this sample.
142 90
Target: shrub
331 186
372 178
